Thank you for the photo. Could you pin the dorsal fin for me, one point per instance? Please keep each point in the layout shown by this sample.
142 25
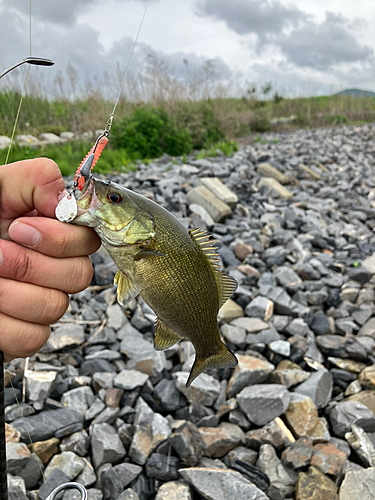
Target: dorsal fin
226 284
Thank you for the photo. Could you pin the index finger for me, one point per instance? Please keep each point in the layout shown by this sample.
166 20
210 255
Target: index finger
54 238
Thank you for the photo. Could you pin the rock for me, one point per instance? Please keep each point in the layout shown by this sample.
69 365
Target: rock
169 396
117 478
11 434
205 389
281 347
187 443
18 455
318 322
367 377
39 385
174 490
116 317
343 415
128 494
254 474
285 276
67 462
45 450
65 336
56 478
282 479
204 197
220 190
202 214
221 484
251 325
46 424
369 264
275 433
151 363
297 456
130 379
309 171
267 170
78 443
275 186
360 274
16 488
314 485
260 307
358 484
234 334
162 467
230 311
328 458
106 445
302 417
241 250
289 378
241 454
361 443
318 387
249 371
282 302
365 397
263 403
347 364
87 477
150 429
79 399
218 441
368 329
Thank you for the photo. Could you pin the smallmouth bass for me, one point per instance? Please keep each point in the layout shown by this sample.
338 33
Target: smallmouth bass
175 270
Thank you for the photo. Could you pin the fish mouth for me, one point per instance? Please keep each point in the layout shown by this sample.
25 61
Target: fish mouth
87 204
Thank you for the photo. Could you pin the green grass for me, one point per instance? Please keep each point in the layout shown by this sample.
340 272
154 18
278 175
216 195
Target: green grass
227 147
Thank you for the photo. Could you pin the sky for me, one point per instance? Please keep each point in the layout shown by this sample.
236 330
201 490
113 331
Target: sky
304 47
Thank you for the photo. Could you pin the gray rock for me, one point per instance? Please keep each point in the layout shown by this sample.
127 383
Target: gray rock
174 490
361 443
187 443
343 415
282 479
358 484
39 385
276 188
318 387
87 476
285 276
251 325
368 329
67 462
283 304
65 336
281 347
55 479
16 488
44 425
234 334
104 379
204 197
130 379
169 396
267 170
94 410
78 443
205 389
150 429
218 441
18 455
32 472
222 484
260 307
151 363
162 467
116 317
297 456
128 494
106 445
249 371
79 399
263 403
117 478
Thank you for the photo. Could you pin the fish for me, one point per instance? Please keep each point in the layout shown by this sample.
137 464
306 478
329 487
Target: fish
175 270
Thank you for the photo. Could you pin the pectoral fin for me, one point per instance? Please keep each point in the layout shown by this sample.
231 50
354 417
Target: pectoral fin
224 358
142 254
165 337
126 290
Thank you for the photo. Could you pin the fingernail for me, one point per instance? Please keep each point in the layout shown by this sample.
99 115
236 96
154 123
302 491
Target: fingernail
24 234
62 194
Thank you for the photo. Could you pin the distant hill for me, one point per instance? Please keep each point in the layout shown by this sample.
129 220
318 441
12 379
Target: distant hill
357 93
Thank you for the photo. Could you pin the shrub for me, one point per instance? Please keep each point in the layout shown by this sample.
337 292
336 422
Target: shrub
148 133
336 119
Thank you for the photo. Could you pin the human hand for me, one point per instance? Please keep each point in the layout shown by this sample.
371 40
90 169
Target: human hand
42 260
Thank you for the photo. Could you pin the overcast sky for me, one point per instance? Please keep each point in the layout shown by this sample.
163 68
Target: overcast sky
299 46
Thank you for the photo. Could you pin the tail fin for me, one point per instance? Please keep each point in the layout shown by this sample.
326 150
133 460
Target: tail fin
224 358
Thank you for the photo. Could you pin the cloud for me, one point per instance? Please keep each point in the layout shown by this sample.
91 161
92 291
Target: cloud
324 45
262 17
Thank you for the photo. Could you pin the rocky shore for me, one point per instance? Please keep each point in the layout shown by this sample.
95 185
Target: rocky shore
294 217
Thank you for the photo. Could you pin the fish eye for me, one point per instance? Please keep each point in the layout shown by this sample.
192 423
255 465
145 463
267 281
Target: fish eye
114 197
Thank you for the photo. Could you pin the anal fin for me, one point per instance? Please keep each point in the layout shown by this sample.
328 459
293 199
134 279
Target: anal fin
224 358
165 337
126 291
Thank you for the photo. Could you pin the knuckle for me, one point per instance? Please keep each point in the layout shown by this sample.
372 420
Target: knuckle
81 274
55 305
62 244
21 266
